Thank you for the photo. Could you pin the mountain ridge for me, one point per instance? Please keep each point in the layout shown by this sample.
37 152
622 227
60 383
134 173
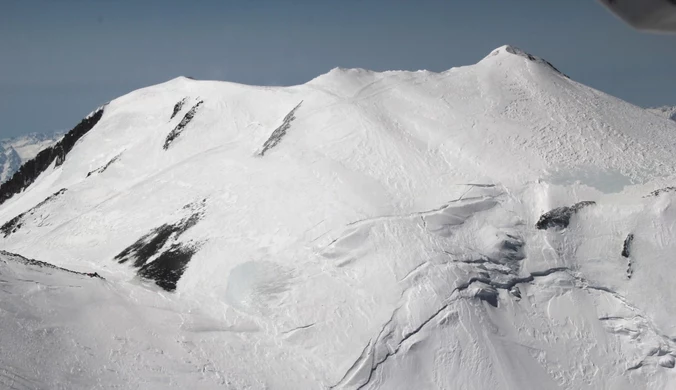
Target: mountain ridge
462 229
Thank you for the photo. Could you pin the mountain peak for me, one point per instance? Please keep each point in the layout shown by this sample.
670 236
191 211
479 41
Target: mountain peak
507 51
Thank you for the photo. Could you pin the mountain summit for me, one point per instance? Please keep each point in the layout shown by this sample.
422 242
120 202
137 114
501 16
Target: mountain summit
491 226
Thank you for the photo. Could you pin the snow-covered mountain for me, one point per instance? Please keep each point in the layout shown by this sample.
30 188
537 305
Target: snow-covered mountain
665 111
494 226
18 150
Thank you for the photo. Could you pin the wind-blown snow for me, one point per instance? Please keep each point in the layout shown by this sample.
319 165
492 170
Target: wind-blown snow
382 234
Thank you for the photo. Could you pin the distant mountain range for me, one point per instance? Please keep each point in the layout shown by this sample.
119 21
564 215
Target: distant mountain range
16 151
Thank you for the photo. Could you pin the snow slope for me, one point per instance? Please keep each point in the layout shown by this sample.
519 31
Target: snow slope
364 230
16 151
665 111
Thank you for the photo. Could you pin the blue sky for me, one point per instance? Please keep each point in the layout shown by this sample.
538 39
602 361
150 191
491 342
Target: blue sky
63 58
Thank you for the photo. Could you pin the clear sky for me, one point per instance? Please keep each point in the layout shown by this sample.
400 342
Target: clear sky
60 59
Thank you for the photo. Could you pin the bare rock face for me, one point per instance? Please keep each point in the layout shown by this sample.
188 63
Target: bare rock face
56 154
560 216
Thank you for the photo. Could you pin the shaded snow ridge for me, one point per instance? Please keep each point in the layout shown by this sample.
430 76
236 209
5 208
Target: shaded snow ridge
8 256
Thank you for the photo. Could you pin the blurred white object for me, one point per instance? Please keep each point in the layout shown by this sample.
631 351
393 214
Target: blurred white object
647 15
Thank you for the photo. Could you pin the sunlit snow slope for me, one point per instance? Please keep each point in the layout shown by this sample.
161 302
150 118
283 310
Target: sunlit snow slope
495 226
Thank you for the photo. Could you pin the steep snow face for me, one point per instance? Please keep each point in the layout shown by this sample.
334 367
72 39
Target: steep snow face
16 151
465 229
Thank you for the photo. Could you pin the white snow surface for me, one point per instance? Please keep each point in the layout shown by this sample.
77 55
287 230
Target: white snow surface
668 112
17 150
386 241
